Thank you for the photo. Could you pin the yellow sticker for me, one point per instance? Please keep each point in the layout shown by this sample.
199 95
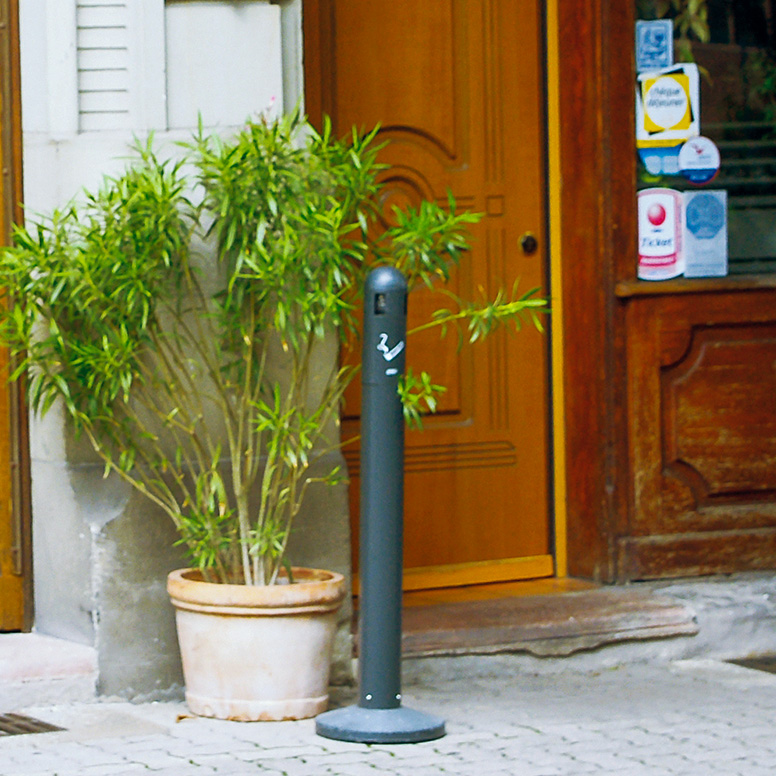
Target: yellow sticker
667 103
668 106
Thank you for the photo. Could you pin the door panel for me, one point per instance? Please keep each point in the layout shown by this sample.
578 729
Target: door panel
456 86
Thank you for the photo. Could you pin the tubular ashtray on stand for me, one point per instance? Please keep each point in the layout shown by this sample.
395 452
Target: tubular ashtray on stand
379 716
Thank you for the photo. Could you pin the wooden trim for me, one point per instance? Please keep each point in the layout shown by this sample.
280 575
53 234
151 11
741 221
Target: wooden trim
425 580
630 288
20 451
598 184
7 123
525 587
694 554
316 27
579 163
18 444
482 572
555 252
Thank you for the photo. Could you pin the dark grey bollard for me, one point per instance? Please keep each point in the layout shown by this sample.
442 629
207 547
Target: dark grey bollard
379 716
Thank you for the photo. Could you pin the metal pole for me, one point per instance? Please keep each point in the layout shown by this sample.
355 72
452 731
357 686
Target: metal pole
382 490
379 716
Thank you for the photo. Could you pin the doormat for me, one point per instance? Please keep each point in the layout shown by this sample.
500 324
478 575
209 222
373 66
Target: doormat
763 663
19 725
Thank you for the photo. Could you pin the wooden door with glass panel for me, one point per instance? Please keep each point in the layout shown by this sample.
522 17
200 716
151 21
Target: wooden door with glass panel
457 87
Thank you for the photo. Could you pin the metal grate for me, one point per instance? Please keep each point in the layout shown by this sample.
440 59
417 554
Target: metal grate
764 663
19 725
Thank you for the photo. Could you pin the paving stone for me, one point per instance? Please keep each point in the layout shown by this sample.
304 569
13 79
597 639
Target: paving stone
641 720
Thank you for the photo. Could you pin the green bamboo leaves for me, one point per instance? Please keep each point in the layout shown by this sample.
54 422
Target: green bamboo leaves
93 270
196 374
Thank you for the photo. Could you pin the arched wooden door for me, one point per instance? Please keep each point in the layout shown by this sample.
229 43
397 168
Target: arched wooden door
457 86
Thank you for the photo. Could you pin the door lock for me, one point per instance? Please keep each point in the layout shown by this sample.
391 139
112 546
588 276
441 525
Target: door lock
529 243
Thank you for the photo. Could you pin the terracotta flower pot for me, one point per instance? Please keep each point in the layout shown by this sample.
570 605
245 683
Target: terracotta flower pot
256 653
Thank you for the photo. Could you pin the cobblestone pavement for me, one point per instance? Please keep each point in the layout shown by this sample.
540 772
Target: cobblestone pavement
689 717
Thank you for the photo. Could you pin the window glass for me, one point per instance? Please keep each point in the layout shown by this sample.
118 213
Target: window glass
732 42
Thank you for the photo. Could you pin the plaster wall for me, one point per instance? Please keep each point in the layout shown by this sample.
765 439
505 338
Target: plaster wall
101 552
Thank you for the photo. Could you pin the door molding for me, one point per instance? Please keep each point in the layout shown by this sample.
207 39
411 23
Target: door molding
595 223
16 610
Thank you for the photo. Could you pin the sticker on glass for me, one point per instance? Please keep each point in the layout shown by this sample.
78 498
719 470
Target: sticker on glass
660 234
699 160
705 237
660 160
654 44
668 106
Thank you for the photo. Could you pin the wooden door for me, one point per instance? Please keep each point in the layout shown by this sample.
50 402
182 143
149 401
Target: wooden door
15 606
457 86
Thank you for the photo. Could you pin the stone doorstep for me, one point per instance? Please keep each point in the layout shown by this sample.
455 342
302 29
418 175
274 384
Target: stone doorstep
736 616
544 625
34 665
37 669
33 656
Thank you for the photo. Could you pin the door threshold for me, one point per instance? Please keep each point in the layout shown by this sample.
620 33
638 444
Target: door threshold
490 591
508 618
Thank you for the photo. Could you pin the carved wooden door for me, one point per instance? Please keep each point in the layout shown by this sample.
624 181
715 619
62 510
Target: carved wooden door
457 86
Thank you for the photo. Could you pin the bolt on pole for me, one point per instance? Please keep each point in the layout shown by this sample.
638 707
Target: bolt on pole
379 716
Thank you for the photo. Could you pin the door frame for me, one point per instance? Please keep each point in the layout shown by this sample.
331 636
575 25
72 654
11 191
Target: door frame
593 228
14 449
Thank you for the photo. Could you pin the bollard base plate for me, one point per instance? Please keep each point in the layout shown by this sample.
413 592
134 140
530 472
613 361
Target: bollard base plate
379 726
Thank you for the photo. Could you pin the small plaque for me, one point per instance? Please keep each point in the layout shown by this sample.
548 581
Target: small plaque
654 44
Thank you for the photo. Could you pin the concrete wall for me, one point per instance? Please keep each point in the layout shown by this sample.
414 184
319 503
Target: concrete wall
101 552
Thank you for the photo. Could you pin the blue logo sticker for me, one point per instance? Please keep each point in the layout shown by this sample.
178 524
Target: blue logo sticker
705 216
699 160
654 44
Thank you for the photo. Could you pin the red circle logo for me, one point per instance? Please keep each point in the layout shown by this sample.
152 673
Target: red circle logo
656 214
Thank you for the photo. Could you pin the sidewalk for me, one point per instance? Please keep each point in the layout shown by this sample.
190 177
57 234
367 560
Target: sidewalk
689 717
656 707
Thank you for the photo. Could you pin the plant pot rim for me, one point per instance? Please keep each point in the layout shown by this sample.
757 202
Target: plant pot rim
313 589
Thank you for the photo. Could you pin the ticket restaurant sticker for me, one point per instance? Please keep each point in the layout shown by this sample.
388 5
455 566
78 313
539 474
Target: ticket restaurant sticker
660 234
668 106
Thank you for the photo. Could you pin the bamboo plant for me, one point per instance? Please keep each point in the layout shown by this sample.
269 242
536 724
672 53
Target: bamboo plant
180 335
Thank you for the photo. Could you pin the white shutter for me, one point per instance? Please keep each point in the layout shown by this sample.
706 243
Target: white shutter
103 53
